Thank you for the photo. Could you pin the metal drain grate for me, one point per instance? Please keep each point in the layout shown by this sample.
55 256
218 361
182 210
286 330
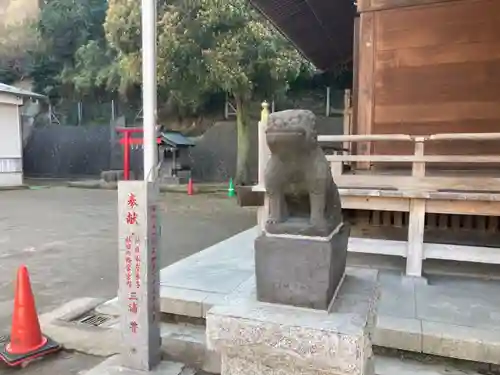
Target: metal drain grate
3 339
94 319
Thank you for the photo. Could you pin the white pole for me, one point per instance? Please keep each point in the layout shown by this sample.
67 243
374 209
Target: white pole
149 87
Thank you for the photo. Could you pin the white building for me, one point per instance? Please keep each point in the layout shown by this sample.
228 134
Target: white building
11 134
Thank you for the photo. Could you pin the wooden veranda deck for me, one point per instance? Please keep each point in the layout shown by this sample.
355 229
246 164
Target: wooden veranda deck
420 199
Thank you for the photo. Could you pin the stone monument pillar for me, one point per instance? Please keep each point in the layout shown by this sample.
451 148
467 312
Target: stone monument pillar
310 314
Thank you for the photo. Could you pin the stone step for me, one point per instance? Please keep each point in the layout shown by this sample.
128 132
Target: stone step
442 338
111 366
185 343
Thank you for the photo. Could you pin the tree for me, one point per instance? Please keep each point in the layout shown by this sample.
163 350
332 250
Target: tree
16 39
68 30
205 46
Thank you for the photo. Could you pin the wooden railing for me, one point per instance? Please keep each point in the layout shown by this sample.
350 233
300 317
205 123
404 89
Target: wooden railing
418 181
417 193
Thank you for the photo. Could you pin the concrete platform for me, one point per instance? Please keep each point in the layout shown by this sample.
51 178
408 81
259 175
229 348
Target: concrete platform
451 316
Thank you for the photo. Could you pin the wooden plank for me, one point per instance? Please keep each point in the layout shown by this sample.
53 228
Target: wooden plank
468 222
432 206
440 54
386 218
247 197
417 159
443 222
376 218
431 195
477 254
366 81
464 136
400 114
463 22
462 253
455 222
365 137
486 184
493 224
355 79
374 246
461 128
416 226
441 147
463 207
398 219
347 120
376 204
258 188
337 166
481 223
373 5
443 34
432 221
467 81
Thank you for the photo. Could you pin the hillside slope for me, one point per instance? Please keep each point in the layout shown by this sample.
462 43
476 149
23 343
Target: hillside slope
214 157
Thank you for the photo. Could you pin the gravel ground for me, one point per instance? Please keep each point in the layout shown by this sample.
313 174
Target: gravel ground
67 238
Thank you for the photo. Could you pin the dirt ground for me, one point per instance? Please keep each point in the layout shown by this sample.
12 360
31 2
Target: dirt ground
67 238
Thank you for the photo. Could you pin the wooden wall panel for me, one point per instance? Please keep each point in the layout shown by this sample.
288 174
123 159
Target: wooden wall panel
477 81
366 83
437 70
355 82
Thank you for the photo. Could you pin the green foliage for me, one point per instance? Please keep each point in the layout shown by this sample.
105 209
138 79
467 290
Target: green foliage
65 25
92 48
93 69
70 34
205 47
16 40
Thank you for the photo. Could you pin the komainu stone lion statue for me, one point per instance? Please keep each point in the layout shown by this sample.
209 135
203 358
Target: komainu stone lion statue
303 198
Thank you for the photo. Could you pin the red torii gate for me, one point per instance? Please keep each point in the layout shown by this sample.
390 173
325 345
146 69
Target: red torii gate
126 141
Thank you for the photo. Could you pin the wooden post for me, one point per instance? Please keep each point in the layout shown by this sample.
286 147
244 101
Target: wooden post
366 83
355 80
416 225
347 118
336 166
264 155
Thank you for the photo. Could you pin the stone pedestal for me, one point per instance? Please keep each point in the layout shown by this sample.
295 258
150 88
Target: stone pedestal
298 270
268 339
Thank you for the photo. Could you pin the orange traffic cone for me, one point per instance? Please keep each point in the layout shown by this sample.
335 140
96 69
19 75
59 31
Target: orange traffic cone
26 341
190 186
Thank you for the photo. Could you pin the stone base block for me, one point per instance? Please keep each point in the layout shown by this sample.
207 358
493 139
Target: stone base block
113 366
300 271
259 338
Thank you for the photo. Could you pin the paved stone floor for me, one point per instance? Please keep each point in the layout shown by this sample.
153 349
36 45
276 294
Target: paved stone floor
453 316
67 238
